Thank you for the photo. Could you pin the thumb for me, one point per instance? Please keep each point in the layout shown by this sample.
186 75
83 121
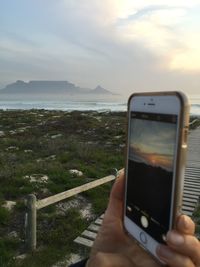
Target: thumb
115 205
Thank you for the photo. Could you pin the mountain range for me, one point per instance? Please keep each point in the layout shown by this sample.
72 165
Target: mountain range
50 88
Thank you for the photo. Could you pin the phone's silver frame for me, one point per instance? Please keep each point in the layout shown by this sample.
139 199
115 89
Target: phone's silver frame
182 111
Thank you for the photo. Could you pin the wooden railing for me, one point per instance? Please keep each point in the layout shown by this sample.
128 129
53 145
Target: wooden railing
33 205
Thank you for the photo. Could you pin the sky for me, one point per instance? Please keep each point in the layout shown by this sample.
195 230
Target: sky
123 45
152 142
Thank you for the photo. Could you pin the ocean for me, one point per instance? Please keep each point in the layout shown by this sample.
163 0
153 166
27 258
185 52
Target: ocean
64 105
81 105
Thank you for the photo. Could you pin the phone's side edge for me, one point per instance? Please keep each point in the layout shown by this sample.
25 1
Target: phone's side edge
181 155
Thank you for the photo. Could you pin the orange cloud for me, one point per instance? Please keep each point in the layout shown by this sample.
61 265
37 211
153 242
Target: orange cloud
160 160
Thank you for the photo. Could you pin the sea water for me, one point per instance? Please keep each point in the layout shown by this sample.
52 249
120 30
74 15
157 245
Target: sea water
81 105
64 105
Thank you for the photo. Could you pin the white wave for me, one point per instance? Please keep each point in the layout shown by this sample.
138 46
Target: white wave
75 105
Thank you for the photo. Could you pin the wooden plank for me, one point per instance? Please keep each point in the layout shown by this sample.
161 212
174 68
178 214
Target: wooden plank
69 193
194 165
192 188
192 180
89 234
191 174
84 241
189 204
189 192
193 144
196 184
188 208
189 168
191 163
192 200
188 213
191 197
192 170
102 216
195 177
98 221
94 227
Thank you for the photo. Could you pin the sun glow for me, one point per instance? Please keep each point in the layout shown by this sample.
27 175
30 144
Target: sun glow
158 160
169 31
189 58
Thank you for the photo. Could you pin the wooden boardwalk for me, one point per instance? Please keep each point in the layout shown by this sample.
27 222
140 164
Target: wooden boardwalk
190 195
191 191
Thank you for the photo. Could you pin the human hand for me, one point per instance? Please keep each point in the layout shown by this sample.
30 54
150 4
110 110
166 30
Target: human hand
114 248
183 249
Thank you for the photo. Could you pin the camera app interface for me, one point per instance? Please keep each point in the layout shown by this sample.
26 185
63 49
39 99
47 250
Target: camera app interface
150 171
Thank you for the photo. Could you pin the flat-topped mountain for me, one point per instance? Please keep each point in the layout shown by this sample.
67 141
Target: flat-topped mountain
50 87
100 90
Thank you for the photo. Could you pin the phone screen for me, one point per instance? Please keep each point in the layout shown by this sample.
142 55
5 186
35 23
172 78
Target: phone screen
151 152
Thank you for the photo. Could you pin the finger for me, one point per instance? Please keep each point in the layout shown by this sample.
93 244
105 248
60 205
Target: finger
115 205
185 244
172 258
117 191
185 225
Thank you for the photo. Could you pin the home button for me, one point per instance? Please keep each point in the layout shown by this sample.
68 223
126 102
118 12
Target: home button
143 238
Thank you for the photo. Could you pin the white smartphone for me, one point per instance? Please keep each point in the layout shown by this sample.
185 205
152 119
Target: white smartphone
155 161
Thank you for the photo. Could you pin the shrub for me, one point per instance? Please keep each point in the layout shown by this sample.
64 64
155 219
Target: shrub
4 216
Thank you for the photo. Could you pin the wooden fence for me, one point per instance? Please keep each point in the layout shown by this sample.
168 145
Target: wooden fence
191 190
33 205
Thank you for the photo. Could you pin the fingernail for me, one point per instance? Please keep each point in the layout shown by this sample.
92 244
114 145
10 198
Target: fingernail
164 252
174 238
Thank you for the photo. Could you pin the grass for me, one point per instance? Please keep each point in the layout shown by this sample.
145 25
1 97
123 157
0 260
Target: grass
55 239
51 143
4 216
8 247
99 203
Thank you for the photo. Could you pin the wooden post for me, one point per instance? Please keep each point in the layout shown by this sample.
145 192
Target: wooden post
31 223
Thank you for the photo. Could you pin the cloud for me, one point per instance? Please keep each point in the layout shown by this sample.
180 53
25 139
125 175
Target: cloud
152 28
115 43
154 159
